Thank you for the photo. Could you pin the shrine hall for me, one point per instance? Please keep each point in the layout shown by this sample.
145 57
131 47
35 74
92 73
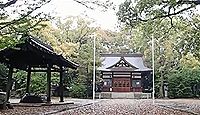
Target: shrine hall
125 73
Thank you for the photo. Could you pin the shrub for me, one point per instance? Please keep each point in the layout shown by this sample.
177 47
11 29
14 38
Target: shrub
181 83
78 90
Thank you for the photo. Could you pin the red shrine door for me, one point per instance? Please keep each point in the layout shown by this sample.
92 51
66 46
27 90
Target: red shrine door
121 85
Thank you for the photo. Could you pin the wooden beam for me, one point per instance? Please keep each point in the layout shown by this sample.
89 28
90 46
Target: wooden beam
48 83
37 70
44 69
9 82
28 80
61 89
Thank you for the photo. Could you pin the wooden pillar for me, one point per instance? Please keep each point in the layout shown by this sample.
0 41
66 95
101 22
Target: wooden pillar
28 80
112 82
143 80
9 82
61 89
48 83
131 80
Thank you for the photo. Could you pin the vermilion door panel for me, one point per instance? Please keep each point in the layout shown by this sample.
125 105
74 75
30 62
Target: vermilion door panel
121 85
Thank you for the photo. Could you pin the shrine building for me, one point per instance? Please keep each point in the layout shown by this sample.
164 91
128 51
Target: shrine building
125 73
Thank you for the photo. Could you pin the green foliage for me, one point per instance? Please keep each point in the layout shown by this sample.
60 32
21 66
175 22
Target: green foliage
78 90
182 81
12 35
20 83
38 82
16 20
189 61
175 45
76 43
70 34
3 77
189 36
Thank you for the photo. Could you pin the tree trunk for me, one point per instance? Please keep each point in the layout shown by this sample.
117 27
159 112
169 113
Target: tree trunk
161 85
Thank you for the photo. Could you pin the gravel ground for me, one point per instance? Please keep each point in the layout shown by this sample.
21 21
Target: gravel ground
34 110
131 107
188 105
115 107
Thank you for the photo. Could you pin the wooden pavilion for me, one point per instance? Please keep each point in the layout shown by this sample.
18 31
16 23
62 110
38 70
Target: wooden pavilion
125 73
34 56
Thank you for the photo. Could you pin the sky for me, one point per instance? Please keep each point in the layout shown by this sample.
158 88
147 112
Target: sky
63 8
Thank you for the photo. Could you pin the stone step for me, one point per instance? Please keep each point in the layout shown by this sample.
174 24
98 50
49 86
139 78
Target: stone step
122 95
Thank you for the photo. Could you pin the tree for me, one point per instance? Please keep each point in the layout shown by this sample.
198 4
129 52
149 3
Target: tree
182 82
72 38
171 45
16 20
131 13
174 34
22 13
114 42
189 39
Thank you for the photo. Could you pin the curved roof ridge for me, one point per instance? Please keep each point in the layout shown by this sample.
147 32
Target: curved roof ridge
121 55
122 58
31 39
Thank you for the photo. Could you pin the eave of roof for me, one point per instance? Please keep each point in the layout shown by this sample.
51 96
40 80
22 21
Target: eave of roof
33 52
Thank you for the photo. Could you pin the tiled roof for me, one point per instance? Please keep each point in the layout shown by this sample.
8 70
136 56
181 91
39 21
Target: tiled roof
33 53
135 60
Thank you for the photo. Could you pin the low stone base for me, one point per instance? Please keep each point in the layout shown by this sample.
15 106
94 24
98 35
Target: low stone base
6 106
30 98
123 95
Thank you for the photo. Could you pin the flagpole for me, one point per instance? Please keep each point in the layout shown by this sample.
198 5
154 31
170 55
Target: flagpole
94 50
153 74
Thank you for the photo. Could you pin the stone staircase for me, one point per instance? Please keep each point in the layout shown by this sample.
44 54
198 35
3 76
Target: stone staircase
122 95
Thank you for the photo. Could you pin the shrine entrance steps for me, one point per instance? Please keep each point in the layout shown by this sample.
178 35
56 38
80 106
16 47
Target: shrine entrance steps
122 95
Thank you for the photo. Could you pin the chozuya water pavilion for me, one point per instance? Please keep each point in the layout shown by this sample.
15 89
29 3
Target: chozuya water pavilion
35 56
125 73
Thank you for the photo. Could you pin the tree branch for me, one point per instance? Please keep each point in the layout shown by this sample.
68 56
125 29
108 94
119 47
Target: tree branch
92 3
168 15
171 22
81 32
8 4
82 3
14 21
21 18
196 2
33 26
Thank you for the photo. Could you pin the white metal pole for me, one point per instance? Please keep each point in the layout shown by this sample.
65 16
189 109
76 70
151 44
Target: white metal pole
94 49
153 68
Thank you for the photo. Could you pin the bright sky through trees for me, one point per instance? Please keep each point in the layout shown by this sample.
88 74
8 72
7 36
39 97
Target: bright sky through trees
64 8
